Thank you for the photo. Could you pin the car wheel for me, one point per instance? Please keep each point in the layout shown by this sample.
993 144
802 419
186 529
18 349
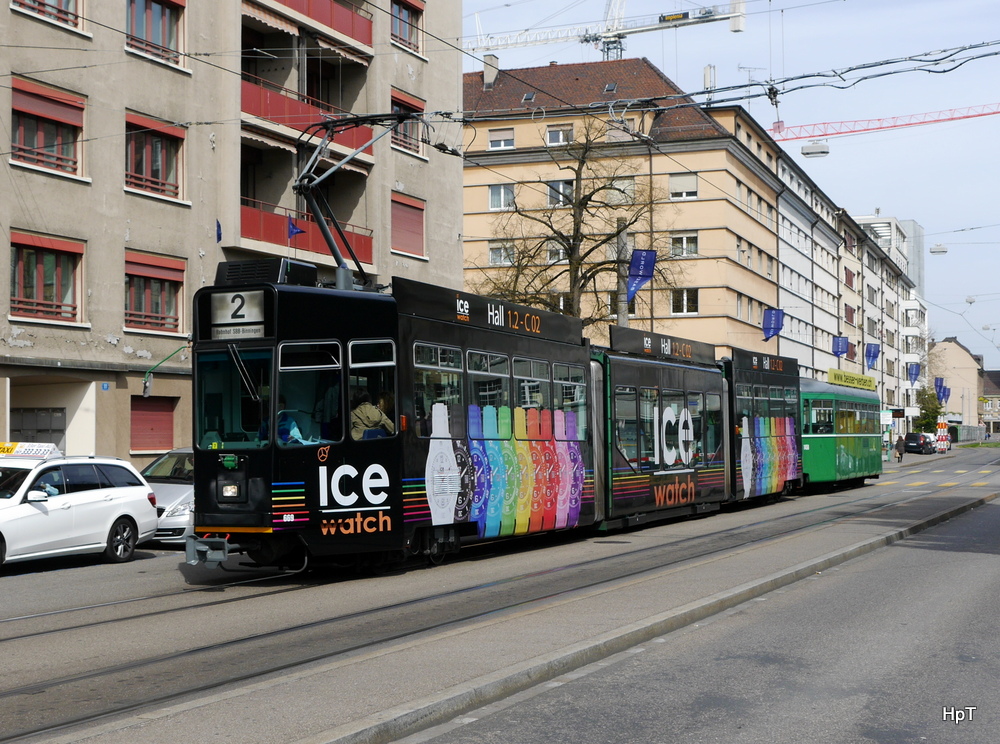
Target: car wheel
121 541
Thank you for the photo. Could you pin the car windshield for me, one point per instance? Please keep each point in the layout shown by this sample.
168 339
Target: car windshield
173 466
11 480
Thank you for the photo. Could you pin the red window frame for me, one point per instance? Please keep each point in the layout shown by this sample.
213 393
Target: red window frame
153 286
44 282
407 19
407 134
154 28
61 11
408 224
152 156
45 126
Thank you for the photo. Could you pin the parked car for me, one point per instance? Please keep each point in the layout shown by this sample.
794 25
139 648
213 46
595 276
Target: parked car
921 444
172 479
53 505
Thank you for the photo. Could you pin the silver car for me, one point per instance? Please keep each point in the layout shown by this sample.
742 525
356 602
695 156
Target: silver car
172 480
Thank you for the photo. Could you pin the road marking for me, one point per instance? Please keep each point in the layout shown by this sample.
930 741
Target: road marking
943 485
981 484
919 483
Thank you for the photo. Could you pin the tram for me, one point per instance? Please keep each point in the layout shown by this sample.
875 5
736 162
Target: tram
841 438
345 426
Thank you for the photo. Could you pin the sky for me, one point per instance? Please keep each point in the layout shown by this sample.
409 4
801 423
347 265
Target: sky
944 176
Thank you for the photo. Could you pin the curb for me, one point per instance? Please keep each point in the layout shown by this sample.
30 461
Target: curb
433 710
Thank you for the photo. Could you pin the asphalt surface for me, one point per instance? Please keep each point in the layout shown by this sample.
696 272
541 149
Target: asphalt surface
403 687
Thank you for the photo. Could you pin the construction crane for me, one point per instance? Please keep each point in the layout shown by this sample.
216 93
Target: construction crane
781 133
610 35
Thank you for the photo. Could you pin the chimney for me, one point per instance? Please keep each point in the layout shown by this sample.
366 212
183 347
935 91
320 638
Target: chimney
491 69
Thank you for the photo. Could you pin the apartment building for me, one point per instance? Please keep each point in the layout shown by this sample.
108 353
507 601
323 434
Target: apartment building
152 139
709 200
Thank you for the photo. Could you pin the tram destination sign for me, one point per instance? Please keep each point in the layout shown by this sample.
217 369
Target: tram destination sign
452 306
760 362
635 341
237 315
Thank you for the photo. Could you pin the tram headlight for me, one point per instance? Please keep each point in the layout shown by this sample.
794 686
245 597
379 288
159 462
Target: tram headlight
231 491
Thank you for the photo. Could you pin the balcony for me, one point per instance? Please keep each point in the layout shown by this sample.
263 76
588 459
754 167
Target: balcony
269 101
348 20
268 223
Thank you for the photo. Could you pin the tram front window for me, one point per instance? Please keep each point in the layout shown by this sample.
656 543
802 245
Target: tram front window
310 406
232 397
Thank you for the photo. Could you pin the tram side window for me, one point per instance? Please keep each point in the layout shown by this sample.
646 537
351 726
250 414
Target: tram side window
489 395
570 402
648 398
760 399
437 385
627 424
713 426
776 402
744 407
310 393
696 408
822 417
533 390
844 417
372 389
673 407
233 397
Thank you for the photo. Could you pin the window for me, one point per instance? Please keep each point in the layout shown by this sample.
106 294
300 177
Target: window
310 382
502 196
501 253
871 293
555 251
44 276
849 314
621 132
46 126
372 380
684 301
152 291
621 191
489 393
684 244
849 278
501 139
61 11
152 156
437 384
406 21
407 134
613 298
408 224
684 186
532 395
152 28
560 193
570 402
559 134
872 326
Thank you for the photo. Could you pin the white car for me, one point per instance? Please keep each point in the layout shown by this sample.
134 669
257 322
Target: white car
171 477
53 505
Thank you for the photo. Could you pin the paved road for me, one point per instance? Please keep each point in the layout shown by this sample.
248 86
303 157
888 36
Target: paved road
901 645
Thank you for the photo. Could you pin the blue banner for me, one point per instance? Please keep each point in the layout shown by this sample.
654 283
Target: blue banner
774 321
871 354
293 229
841 345
640 270
913 372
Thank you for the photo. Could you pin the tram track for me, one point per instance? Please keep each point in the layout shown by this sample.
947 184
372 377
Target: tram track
127 686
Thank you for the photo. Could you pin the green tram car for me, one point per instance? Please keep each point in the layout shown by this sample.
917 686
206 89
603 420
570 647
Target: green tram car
841 437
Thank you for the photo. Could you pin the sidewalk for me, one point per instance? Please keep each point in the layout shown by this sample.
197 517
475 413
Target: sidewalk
384 694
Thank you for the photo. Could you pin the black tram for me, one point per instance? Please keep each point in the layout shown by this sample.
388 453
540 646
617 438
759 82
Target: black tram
348 426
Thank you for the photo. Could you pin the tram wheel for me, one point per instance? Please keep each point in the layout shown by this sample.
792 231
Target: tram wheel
435 552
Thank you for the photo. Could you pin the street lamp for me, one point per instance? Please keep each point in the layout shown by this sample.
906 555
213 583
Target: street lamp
938 248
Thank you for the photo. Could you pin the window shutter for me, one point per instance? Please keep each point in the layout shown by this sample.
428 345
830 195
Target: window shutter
407 225
152 423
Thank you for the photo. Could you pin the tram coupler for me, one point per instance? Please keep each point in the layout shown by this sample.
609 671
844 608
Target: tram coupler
208 550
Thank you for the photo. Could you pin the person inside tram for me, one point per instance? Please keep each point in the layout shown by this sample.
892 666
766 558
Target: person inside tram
366 417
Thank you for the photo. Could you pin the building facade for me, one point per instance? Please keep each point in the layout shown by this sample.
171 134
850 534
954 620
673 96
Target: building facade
160 139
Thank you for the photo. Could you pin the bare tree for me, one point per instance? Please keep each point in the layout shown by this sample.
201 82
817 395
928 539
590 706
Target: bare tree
564 242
